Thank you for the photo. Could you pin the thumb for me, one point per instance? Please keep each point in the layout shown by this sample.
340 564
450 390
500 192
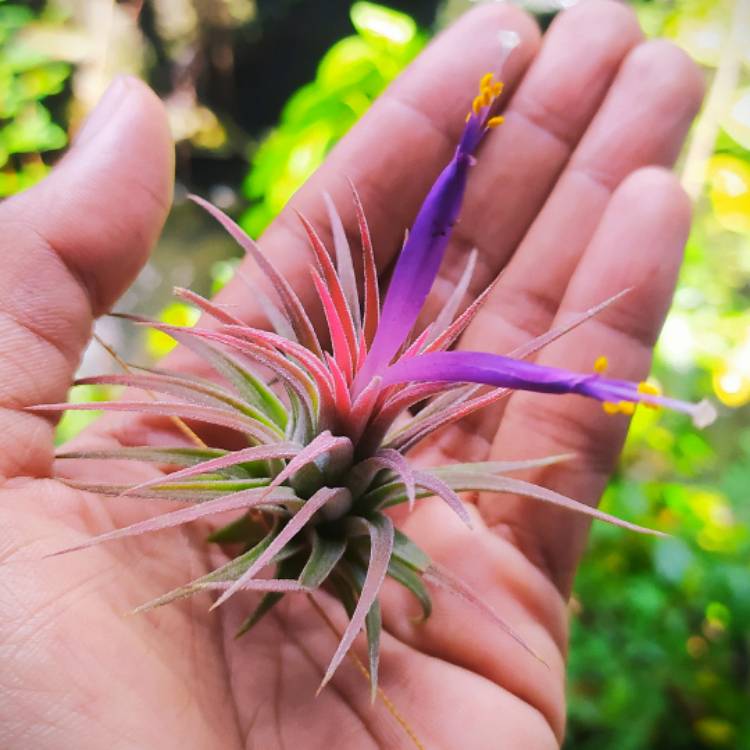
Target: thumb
70 246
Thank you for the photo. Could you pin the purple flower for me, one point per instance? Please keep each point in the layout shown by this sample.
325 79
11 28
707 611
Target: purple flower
419 262
506 372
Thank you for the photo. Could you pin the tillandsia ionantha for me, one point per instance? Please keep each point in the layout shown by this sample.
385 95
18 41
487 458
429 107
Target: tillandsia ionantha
326 431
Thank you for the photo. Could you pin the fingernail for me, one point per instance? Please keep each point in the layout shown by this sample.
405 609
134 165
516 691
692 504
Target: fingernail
103 112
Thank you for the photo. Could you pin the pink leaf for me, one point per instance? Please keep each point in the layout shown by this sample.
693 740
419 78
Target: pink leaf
533 346
445 339
257 453
467 481
206 306
440 577
416 346
344 264
387 458
443 491
296 378
406 440
333 287
192 390
237 501
372 295
293 527
381 535
207 414
279 320
236 372
296 312
362 409
262 584
450 308
291 348
342 353
342 398
386 415
320 445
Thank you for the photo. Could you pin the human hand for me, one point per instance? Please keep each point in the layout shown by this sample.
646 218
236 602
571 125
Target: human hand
563 199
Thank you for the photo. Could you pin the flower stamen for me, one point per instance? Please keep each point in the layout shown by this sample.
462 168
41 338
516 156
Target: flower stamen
489 91
620 407
600 365
649 389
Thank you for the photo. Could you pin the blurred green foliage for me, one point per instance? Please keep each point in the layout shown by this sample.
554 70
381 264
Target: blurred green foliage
660 654
349 77
26 125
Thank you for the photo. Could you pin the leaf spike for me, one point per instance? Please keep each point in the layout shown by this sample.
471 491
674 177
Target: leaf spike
293 527
372 294
303 328
381 533
344 263
179 423
333 286
343 354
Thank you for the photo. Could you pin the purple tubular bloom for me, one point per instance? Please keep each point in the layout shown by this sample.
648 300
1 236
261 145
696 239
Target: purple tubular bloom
420 259
418 264
506 372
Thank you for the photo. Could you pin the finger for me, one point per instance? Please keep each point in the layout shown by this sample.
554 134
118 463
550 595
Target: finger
70 246
461 634
638 244
521 163
643 121
397 149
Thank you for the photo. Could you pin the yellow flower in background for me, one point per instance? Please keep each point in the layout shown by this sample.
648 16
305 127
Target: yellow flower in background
729 182
177 314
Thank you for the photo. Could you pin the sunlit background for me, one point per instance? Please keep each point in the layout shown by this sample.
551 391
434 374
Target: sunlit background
257 92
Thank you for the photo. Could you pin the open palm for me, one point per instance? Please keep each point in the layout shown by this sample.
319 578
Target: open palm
570 200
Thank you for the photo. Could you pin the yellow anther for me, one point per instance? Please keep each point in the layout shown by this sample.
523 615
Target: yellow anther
621 407
468 117
493 122
489 90
626 407
649 389
600 365
486 81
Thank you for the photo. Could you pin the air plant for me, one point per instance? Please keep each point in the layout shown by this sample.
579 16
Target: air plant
326 433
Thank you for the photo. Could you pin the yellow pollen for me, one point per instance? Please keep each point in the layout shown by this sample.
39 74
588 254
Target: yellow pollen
486 81
626 407
600 365
493 122
621 407
489 90
649 389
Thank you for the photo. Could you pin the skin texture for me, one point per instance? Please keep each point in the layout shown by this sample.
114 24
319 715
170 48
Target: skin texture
570 199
